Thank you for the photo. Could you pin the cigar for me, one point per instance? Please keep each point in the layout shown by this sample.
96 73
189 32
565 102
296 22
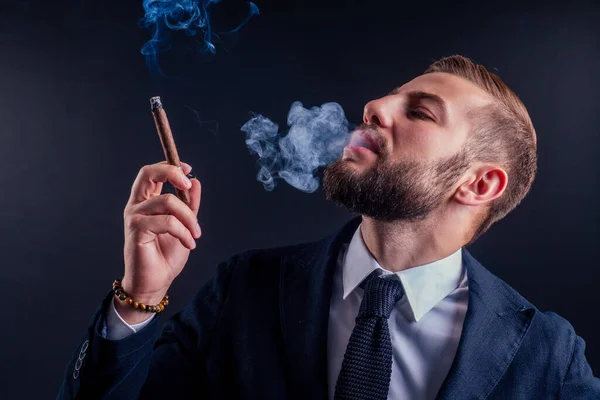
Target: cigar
168 143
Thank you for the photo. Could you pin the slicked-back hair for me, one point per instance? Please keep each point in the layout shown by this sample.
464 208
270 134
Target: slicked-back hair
503 134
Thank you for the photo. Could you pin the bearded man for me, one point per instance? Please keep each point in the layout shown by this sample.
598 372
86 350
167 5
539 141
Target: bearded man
390 307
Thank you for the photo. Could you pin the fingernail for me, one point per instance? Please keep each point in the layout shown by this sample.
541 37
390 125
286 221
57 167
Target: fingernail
186 181
198 231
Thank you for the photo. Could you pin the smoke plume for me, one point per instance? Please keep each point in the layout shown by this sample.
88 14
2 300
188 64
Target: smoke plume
316 137
189 16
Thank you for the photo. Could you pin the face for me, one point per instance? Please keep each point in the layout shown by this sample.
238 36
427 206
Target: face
410 153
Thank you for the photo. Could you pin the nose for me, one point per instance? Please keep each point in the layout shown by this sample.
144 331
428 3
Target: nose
377 112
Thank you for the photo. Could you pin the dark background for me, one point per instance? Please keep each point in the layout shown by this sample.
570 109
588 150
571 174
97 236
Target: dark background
76 127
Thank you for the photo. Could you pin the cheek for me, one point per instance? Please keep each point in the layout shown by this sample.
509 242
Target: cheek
419 143
422 142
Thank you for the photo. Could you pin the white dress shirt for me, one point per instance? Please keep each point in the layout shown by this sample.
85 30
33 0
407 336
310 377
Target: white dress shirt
116 328
425 326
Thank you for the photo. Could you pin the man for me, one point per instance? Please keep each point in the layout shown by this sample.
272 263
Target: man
391 306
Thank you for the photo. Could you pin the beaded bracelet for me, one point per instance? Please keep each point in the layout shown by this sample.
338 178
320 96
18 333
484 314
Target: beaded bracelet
124 297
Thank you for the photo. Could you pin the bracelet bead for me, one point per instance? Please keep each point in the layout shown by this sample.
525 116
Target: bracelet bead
124 297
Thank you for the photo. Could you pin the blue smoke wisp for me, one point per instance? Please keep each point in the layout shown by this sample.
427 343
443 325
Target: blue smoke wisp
316 137
189 16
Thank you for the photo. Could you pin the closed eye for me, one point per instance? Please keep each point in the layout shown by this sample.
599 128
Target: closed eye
416 113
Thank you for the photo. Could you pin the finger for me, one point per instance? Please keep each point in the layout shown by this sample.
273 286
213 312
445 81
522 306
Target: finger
162 224
187 168
169 204
149 181
195 196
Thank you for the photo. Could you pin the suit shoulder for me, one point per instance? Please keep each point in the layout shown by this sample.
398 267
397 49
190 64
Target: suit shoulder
302 254
546 326
549 337
508 300
555 321
548 321
556 328
269 257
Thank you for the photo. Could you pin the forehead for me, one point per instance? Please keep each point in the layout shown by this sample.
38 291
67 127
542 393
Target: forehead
458 93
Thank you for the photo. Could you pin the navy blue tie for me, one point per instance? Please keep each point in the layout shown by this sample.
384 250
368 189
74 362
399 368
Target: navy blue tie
367 366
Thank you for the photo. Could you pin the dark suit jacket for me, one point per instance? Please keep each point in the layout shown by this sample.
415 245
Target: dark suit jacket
258 330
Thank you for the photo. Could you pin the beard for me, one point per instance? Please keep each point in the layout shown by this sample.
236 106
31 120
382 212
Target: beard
394 191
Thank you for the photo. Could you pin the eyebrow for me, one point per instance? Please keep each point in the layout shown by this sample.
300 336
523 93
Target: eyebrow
439 103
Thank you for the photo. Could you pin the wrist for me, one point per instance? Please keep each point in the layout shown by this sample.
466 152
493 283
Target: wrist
146 297
129 314
134 308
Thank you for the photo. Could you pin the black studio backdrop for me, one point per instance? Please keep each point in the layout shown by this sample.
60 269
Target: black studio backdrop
75 128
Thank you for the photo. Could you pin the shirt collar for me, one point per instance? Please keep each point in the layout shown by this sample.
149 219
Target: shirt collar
425 285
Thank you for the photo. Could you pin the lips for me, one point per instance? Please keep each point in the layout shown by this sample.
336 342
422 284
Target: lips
365 139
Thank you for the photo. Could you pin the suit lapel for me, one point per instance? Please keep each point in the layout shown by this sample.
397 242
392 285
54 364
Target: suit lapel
305 293
495 325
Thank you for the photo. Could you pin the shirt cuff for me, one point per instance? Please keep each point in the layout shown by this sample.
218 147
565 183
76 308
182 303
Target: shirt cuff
117 328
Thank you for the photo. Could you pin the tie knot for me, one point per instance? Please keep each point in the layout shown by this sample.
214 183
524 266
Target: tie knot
381 296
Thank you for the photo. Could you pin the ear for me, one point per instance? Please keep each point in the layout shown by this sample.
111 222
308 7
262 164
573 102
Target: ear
484 184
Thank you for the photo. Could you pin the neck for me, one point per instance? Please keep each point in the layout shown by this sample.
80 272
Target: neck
400 245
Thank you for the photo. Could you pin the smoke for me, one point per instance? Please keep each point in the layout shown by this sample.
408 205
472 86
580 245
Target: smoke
189 16
316 138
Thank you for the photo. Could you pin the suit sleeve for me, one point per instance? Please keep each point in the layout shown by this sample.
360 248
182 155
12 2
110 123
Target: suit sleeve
580 382
141 366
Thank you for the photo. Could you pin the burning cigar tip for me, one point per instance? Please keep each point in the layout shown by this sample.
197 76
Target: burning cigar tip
155 103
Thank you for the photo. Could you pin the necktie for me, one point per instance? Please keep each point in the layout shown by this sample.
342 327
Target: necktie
367 366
